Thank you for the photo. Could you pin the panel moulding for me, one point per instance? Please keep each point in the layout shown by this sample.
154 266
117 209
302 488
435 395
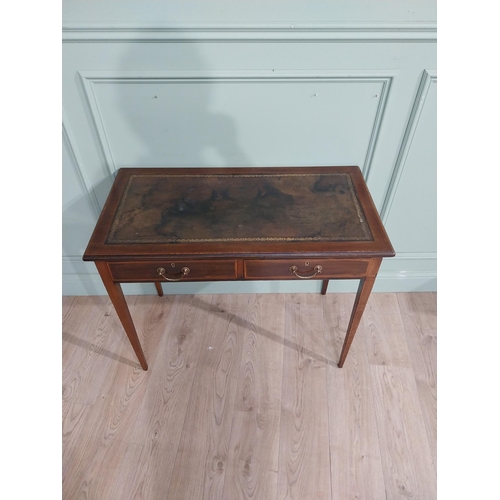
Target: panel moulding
91 79
428 78
405 32
80 168
98 123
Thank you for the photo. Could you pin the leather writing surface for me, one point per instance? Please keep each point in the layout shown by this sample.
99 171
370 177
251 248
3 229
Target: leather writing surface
191 208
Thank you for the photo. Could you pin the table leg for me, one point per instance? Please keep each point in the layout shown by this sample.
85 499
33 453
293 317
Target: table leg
117 298
324 287
159 289
364 290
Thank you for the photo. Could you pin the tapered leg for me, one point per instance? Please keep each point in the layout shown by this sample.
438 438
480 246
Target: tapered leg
364 290
117 298
159 289
324 287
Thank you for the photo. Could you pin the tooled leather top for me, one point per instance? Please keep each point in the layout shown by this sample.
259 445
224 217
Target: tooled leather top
191 208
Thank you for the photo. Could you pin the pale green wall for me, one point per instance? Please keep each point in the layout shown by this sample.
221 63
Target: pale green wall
184 84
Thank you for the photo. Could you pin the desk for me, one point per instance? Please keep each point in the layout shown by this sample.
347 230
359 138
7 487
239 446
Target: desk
163 225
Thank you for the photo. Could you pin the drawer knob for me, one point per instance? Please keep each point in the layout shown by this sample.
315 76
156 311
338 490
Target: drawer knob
317 270
184 272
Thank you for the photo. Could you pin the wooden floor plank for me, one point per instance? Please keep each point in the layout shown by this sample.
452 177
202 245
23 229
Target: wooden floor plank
419 316
103 442
158 426
76 311
259 382
356 465
385 339
114 412
406 455
83 366
205 438
304 462
244 399
85 405
252 470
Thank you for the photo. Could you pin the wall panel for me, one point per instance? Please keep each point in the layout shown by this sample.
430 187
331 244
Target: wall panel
197 118
410 210
263 94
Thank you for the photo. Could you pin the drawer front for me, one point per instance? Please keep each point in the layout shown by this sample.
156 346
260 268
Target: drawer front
304 269
174 270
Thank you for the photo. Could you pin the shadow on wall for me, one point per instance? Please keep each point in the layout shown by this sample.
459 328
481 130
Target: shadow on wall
168 119
150 119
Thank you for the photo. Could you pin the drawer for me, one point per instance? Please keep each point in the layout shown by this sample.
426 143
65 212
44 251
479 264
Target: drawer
174 270
304 269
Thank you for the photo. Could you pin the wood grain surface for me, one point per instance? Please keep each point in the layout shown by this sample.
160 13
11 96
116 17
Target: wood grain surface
418 313
356 466
244 399
304 459
252 470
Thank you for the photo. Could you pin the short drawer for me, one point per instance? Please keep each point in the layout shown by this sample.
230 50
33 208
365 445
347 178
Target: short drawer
174 270
304 269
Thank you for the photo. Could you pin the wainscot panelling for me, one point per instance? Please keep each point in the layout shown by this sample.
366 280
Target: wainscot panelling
205 109
80 208
360 90
409 212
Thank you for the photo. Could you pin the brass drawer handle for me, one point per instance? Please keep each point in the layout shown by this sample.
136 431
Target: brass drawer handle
317 270
184 272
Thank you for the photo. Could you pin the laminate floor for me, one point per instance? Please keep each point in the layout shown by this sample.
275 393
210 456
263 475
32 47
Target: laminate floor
244 400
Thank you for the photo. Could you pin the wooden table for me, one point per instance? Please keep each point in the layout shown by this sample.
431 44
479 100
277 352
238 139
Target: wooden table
209 224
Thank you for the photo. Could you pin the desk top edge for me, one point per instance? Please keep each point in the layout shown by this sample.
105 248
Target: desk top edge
97 249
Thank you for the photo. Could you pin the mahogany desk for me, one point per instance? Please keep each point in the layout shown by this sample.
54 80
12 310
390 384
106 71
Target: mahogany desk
208 224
